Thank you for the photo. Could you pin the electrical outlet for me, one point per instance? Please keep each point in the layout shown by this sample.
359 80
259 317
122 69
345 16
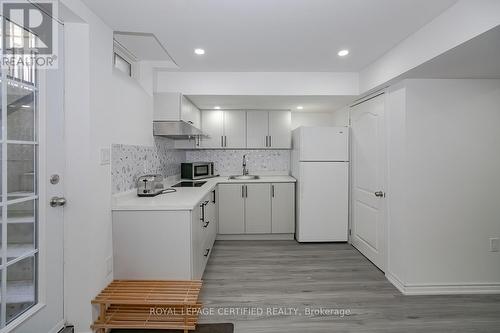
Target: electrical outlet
105 156
494 244
109 265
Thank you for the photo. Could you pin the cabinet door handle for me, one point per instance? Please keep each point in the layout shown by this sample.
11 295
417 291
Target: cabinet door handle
272 191
242 191
267 140
270 141
222 140
207 251
213 193
206 224
246 191
202 218
225 141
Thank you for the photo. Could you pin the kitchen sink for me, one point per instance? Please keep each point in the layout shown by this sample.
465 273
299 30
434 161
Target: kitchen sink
244 177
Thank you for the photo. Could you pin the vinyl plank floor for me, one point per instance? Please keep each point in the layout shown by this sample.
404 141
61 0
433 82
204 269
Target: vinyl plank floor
266 275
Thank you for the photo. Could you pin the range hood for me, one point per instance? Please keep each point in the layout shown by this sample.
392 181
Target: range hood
175 129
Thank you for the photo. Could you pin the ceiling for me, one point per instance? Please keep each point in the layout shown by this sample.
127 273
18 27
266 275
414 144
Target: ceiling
476 58
309 103
272 35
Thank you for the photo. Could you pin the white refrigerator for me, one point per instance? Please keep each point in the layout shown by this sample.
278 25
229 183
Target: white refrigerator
320 163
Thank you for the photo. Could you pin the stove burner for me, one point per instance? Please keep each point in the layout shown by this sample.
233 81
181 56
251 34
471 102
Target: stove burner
189 184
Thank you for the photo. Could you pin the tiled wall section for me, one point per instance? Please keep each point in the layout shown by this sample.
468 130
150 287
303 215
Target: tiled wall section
128 162
228 162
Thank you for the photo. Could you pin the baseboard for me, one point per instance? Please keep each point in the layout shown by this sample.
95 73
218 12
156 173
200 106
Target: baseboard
59 326
396 282
256 237
444 289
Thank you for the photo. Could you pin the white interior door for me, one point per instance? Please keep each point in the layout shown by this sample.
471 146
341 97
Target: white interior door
32 230
368 165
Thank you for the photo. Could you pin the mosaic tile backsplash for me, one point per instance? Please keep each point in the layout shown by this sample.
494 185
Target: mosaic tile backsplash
128 162
228 162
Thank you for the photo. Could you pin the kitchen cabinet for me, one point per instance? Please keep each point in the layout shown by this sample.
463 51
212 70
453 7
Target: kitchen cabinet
231 209
235 129
212 127
280 129
283 208
257 129
224 129
174 107
269 129
257 208
164 245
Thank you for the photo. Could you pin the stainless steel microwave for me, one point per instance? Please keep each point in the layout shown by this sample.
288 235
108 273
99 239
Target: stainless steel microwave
197 170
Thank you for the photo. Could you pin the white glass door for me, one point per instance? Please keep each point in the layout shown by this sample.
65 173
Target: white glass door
32 166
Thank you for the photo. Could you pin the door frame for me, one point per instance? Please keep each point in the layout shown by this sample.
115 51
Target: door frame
384 210
45 141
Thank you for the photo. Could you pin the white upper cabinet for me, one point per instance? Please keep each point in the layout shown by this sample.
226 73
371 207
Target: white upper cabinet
212 126
190 113
223 129
235 129
269 129
174 107
257 129
280 129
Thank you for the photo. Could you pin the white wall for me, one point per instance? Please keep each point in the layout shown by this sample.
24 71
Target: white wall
341 117
311 119
461 22
258 83
443 184
102 107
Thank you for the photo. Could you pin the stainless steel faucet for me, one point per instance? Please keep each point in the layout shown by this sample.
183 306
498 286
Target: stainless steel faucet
245 170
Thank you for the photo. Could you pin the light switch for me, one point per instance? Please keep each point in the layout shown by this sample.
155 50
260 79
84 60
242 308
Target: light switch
105 156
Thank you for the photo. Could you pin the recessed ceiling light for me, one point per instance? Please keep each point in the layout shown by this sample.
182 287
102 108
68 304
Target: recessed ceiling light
300 107
343 53
217 107
25 106
199 51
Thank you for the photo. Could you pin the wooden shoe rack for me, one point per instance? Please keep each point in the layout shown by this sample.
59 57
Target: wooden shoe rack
131 304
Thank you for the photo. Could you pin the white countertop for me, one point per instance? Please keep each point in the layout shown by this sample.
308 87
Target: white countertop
185 198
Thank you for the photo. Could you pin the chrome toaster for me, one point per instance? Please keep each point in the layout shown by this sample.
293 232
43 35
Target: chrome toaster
149 185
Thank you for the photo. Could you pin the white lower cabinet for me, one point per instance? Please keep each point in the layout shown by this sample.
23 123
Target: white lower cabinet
256 208
283 208
164 245
232 211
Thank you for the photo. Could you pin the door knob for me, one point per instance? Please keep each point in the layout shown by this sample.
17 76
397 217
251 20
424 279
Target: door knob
379 194
57 201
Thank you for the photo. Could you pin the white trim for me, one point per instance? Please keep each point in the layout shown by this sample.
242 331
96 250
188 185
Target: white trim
444 289
59 326
256 237
396 282
22 318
